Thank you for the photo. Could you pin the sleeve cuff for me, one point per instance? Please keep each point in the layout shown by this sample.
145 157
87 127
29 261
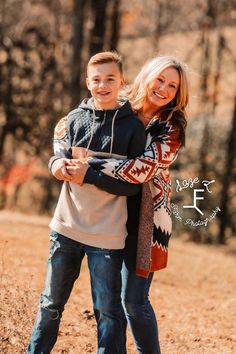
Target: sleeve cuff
51 162
90 176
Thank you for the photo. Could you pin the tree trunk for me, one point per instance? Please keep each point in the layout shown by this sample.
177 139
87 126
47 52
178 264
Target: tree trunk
204 92
99 9
77 48
227 179
205 72
158 27
7 94
219 57
115 21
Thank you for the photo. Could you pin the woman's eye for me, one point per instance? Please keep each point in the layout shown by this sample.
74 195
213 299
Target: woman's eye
159 79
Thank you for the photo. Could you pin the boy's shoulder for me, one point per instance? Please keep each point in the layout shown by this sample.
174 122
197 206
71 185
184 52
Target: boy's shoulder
75 113
81 110
60 128
135 120
77 116
131 115
136 125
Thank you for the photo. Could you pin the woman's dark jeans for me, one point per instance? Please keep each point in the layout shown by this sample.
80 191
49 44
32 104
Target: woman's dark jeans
135 298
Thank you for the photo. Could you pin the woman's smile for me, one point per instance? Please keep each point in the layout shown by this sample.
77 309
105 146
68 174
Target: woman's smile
158 95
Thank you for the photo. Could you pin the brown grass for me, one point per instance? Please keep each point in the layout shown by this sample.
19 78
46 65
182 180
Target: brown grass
194 297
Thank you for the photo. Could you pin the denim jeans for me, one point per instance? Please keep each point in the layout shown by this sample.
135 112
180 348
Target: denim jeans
64 265
135 299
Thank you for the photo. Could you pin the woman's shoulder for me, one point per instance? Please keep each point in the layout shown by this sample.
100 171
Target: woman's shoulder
159 126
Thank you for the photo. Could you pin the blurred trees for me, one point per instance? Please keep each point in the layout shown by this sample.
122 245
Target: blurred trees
213 49
44 48
43 57
28 89
78 24
96 27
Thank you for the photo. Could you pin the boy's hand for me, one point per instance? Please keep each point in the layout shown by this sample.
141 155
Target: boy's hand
77 171
59 169
80 161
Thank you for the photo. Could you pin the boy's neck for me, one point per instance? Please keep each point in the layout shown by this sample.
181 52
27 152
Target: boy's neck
105 107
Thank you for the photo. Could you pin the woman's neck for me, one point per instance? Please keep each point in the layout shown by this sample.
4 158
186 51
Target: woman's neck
146 114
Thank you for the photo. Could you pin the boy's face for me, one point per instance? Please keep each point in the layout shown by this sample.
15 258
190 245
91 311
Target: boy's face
104 82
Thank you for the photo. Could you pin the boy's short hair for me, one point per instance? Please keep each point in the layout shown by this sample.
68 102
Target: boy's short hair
106 57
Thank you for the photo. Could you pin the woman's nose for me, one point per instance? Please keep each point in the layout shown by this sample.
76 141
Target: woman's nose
162 87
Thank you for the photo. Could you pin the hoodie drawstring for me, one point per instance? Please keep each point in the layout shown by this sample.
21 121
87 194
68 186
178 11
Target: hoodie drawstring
91 135
112 132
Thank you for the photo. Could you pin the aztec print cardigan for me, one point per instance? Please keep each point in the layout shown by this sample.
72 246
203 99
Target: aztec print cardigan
152 169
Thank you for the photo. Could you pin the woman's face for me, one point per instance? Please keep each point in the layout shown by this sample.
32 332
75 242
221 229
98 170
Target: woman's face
163 88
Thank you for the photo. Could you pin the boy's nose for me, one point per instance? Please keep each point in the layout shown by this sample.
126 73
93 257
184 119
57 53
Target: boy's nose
102 83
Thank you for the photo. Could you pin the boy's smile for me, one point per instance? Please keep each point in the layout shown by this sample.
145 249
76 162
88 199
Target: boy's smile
104 82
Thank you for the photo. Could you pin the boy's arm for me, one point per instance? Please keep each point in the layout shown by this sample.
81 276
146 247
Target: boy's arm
157 157
111 184
62 155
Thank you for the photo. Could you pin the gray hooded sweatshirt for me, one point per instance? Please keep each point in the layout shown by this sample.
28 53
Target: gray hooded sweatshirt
87 213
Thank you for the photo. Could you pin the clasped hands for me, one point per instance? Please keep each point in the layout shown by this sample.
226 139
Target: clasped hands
72 170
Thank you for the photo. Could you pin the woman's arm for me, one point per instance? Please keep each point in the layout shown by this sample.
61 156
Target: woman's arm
160 153
110 184
61 142
63 155
62 151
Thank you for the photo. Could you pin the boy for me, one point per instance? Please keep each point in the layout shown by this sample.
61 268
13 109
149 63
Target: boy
90 220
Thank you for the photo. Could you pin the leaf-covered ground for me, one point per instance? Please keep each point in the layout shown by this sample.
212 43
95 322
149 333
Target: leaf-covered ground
194 297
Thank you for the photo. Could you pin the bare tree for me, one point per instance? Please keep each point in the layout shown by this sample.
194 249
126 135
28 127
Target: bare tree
227 179
99 12
163 19
115 24
209 94
78 28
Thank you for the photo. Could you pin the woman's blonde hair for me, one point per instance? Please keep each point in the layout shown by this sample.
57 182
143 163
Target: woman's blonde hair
137 93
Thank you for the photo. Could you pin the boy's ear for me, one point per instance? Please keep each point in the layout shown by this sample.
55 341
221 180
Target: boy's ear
87 83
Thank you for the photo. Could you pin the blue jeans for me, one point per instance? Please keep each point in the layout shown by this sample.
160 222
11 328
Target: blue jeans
135 299
64 265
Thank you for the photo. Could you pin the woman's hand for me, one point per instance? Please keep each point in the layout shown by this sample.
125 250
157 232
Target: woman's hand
77 171
59 169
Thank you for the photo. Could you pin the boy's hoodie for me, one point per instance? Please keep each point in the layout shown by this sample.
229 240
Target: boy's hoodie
86 213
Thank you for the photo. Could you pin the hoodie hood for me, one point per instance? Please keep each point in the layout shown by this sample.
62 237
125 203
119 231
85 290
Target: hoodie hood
101 129
124 110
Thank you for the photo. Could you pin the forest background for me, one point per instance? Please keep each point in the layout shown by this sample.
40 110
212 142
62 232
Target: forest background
44 48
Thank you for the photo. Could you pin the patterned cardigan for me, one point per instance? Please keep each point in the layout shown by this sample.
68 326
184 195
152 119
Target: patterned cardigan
152 167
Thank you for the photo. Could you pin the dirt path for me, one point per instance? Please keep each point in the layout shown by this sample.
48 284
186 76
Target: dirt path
194 297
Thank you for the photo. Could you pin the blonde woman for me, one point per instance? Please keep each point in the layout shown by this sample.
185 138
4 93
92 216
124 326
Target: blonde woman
159 96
